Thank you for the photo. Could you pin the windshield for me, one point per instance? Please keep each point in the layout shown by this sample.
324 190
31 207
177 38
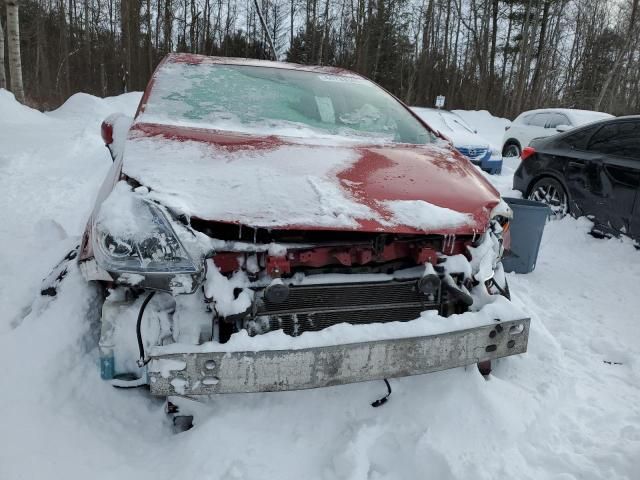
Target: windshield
443 120
455 122
273 101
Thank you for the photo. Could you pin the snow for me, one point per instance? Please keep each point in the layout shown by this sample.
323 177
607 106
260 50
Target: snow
558 412
221 290
455 129
489 127
430 323
577 117
425 216
251 187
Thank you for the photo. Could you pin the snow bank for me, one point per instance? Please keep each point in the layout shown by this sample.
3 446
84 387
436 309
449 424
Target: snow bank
83 105
14 113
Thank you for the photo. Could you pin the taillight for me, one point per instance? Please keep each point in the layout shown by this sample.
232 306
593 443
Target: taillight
527 152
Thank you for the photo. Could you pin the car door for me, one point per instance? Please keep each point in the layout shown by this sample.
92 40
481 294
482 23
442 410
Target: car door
581 169
616 146
535 128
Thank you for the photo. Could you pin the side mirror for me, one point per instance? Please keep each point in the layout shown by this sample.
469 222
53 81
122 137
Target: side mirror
114 130
562 128
475 131
106 131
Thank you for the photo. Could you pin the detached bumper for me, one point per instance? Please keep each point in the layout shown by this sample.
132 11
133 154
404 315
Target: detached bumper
280 370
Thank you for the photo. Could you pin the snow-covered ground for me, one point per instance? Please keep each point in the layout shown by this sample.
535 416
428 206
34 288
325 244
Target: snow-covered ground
568 409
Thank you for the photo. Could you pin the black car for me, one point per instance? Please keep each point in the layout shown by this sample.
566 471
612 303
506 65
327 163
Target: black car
593 171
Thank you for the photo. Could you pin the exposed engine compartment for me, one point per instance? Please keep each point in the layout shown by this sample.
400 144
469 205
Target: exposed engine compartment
321 280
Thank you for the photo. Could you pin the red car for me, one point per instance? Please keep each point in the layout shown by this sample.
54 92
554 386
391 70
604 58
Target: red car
268 226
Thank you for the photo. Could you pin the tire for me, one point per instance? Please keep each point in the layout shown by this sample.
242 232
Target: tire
552 193
510 150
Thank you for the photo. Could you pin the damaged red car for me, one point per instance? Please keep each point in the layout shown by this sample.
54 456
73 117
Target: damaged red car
268 226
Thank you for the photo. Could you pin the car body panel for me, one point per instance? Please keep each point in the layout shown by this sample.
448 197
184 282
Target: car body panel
604 187
376 174
206 373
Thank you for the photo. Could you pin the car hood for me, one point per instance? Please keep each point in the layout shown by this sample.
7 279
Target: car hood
467 139
311 183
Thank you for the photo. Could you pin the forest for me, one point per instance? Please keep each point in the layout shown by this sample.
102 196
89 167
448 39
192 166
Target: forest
505 56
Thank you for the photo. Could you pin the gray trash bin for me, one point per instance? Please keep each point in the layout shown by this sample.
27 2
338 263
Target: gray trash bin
526 228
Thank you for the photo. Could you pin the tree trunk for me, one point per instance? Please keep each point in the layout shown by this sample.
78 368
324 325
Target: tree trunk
13 40
167 26
3 78
619 57
266 31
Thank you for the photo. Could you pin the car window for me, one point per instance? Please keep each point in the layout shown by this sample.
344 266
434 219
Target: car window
524 119
563 120
619 138
455 122
274 101
539 120
556 119
578 140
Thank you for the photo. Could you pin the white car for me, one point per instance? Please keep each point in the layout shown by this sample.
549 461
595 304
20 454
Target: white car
464 138
544 123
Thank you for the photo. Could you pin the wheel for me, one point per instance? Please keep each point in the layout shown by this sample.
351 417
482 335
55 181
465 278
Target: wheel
511 150
551 192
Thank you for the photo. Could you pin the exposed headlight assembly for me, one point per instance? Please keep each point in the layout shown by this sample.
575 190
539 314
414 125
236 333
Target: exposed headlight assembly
139 241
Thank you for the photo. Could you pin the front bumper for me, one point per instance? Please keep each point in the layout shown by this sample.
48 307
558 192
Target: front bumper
492 166
205 373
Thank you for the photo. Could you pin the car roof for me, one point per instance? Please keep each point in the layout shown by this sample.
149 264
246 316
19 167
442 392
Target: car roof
431 109
581 116
626 117
194 59
568 111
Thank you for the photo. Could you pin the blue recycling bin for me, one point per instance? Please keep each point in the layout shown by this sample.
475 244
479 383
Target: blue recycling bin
527 226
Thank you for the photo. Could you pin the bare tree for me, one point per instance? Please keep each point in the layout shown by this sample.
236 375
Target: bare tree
3 78
13 42
631 35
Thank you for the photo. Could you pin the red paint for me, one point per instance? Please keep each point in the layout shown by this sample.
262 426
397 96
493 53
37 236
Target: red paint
436 175
527 152
418 252
230 141
106 131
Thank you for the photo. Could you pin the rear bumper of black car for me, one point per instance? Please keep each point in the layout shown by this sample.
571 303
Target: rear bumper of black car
521 179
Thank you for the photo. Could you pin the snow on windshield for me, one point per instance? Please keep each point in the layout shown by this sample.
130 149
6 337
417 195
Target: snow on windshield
443 120
270 101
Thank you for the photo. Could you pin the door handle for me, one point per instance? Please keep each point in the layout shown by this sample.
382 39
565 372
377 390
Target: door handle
576 164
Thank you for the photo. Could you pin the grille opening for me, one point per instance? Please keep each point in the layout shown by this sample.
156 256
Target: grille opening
312 308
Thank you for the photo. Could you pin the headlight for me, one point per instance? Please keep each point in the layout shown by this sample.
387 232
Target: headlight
138 239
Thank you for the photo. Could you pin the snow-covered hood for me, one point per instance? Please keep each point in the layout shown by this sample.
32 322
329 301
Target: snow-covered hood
283 183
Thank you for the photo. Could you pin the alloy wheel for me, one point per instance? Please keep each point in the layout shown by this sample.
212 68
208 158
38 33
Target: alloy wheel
551 193
512 150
